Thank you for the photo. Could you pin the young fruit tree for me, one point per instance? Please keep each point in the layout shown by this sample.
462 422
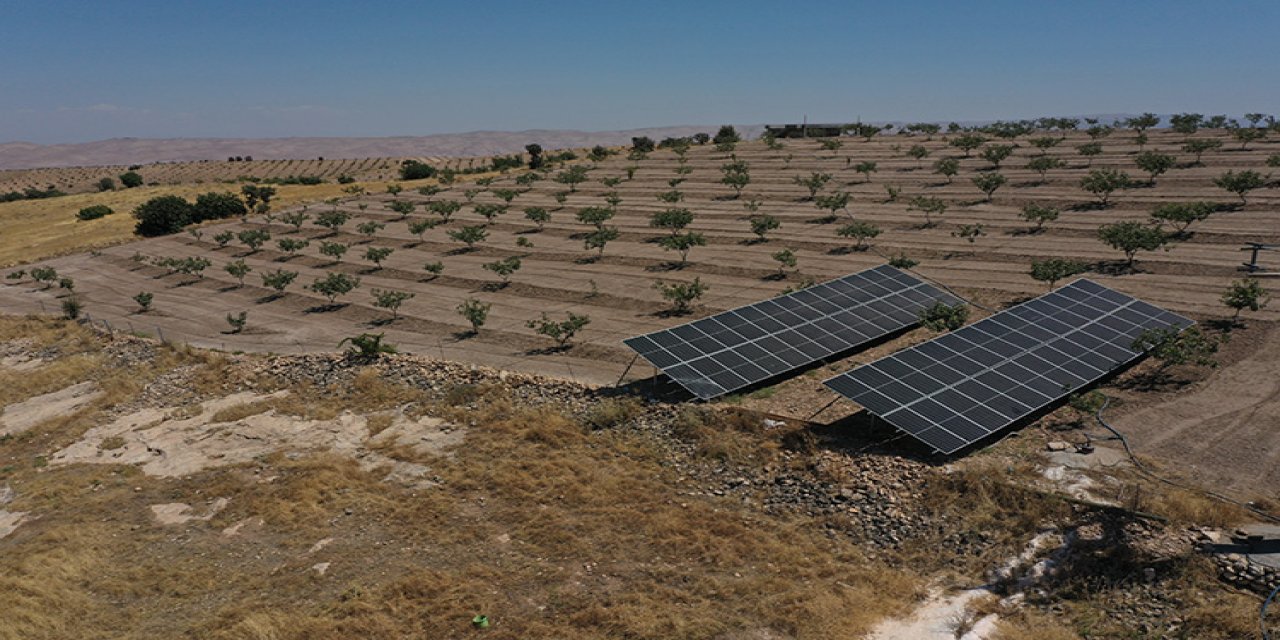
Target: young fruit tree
1182 214
402 207
377 254
866 169
1038 215
814 182
469 235
989 182
948 167
901 261
490 211
997 153
930 206
238 270
253 238
1154 164
944 317
786 259
599 238
475 313
561 331
860 231
332 220
1240 183
1090 150
333 285
295 219
537 215
573 176
237 321
420 227
1104 182
681 295
595 216
1052 270
333 250
1044 164
390 300
970 232
1130 237
279 280
144 302
673 219
445 209
224 238
967 143
503 268
763 224
1198 147
833 202
919 152
292 246
682 243
1245 294
1173 347
434 268
370 229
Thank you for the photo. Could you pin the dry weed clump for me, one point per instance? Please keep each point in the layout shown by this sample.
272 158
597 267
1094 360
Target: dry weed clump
730 435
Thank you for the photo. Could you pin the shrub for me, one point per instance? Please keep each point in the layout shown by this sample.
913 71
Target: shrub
367 345
537 215
238 270
861 231
434 268
786 259
237 321
377 254
162 215
901 261
131 179
683 243
94 212
469 235
71 308
253 238
45 275
218 206
416 170
1038 215
504 268
1132 237
106 184
279 280
1173 346
1245 294
763 224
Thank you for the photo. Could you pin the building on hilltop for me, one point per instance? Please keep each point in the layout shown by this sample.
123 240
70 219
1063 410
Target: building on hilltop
804 130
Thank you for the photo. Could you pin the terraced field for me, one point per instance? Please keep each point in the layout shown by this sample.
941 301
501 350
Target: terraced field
616 289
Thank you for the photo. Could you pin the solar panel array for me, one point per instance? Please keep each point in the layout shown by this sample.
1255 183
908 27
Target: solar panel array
740 347
963 386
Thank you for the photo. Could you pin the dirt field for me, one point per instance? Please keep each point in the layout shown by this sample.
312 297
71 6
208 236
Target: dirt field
616 291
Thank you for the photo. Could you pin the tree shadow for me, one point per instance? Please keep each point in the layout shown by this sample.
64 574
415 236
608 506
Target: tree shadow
549 351
326 308
381 322
525 232
492 287
270 297
848 250
827 219
775 277
1033 231
672 313
1116 268
665 266
751 242
459 336
459 251
1092 205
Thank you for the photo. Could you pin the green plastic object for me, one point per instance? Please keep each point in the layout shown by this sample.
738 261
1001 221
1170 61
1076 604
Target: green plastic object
480 622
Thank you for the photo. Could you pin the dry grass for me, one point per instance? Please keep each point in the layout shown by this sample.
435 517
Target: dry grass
1032 625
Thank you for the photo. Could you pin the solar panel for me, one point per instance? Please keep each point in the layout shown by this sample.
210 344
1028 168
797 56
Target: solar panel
963 386
740 347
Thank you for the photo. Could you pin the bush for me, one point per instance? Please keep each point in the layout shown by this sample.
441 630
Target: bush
131 179
560 331
334 284
163 215
944 317
368 345
218 206
681 294
94 212
416 170
106 184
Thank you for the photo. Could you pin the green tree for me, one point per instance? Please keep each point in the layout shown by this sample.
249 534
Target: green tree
944 317
238 270
106 184
1247 134
333 250
537 215
144 300
968 142
162 215
997 153
833 202
866 169
253 238
1245 294
377 254
402 207
673 219
296 219
434 268
490 212
94 212
279 280
930 206
1090 151
682 243
504 268
1173 347
332 220
595 216
421 227
1045 144
469 235
948 167
988 183
1043 164
1154 163
292 246
786 259
258 198
224 238
1103 182
901 261
573 176
1143 122
333 285
671 197
681 295
1182 214
736 176
445 209
919 152
561 331
1131 237
599 238
1038 215
970 232
1199 146
416 170
1240 183
860 231
1185 123
217 206
367 345
814 182
1051 270
475 313
370 228
762 224
131 179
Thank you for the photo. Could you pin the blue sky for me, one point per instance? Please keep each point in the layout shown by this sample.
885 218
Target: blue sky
79 71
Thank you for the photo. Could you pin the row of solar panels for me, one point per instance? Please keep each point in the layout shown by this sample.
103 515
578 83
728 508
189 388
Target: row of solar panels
949 392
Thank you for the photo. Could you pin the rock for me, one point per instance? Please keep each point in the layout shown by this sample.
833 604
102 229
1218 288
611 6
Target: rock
320 568
1058 445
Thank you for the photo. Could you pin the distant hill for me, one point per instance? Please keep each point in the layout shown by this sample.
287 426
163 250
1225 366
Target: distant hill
117 151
